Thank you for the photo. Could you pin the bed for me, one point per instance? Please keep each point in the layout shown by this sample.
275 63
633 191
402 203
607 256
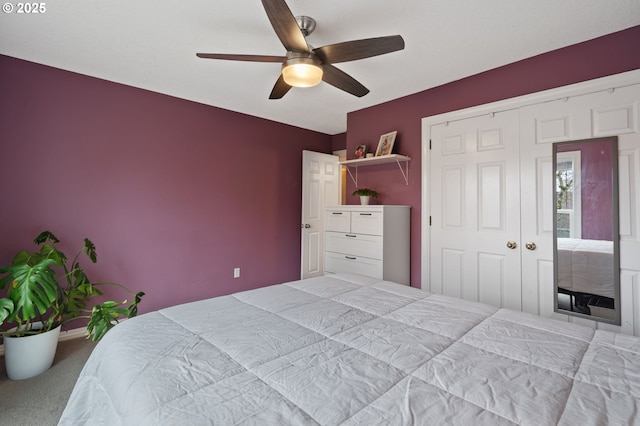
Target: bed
352 350
586 266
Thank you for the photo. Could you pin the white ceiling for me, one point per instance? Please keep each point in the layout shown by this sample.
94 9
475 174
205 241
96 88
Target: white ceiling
151 44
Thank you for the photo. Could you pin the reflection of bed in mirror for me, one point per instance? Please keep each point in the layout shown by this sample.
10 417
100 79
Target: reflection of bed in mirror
587 261
586 270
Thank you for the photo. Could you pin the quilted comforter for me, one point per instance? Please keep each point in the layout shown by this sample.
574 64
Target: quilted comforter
352 350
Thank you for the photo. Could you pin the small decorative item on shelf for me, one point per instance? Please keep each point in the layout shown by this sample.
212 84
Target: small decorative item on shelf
365 194
361 151
385 146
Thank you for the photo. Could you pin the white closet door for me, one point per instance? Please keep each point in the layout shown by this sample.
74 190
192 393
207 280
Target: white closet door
461 246
474 190
593 115
540 126
617 112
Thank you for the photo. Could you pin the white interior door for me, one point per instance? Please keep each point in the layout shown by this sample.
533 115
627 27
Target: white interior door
320 188
475 209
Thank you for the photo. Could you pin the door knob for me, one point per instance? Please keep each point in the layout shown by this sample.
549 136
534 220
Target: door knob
512 244
530 245
306 226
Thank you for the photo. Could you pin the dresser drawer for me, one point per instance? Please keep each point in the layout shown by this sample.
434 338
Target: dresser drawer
361 245
366 223
334 263
337 220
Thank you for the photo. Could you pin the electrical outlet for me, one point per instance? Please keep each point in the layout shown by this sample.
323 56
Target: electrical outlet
236 272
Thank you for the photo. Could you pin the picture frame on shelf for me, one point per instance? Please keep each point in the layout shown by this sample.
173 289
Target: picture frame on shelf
385 145
361 151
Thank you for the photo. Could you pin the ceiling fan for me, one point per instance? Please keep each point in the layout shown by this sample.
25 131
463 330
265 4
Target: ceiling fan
304 66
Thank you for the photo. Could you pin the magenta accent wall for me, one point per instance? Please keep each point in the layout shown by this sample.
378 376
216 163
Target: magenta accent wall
173 193
611 54
339 142
596 187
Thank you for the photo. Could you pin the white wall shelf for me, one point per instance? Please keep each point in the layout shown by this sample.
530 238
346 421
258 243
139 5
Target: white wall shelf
372 161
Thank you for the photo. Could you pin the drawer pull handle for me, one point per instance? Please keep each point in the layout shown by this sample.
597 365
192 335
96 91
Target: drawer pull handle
365 214
336 213
350 235
350 258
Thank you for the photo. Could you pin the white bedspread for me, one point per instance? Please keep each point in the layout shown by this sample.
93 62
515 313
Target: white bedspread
347 349
586 266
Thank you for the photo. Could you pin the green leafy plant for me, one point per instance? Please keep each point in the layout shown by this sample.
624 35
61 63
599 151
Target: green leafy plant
366 192
45 287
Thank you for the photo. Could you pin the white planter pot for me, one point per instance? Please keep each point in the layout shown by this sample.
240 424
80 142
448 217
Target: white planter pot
364 200
28 356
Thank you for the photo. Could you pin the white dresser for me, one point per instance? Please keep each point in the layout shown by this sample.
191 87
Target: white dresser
368 240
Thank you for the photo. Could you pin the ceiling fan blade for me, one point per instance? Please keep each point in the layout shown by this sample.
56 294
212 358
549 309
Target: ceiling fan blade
280 89
249 58
343 81
359 49
285 25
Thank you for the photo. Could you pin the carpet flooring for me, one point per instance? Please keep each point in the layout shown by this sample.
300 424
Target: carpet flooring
39 401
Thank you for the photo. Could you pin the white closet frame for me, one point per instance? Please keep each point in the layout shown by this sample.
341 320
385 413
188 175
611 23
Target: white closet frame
592 86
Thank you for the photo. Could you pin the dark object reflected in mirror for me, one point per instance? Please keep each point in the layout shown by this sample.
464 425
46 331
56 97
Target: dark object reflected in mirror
586 232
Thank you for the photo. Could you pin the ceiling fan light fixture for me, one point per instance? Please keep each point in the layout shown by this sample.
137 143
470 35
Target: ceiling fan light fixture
302 71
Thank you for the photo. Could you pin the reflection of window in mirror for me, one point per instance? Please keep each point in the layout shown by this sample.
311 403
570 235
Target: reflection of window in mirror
568 186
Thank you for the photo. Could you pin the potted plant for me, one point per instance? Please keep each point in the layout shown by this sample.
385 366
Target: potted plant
365 194
46 290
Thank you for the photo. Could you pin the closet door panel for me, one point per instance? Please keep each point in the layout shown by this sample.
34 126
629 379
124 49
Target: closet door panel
615 113
474 174
630 302
599 114
544 275
449 260
448 265
453 196
618 119
492 288
491 196
540 126
629 194
452 273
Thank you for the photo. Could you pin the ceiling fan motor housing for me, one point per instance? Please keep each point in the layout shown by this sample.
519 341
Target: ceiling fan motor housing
306 23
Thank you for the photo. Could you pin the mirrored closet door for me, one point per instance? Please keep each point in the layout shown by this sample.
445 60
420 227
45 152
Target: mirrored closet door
586 233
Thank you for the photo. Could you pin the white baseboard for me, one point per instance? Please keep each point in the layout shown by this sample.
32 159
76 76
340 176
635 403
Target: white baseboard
64 335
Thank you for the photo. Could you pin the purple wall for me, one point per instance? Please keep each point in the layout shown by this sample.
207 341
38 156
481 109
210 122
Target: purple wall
592 59
596 187
173 193
339 142
161 184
